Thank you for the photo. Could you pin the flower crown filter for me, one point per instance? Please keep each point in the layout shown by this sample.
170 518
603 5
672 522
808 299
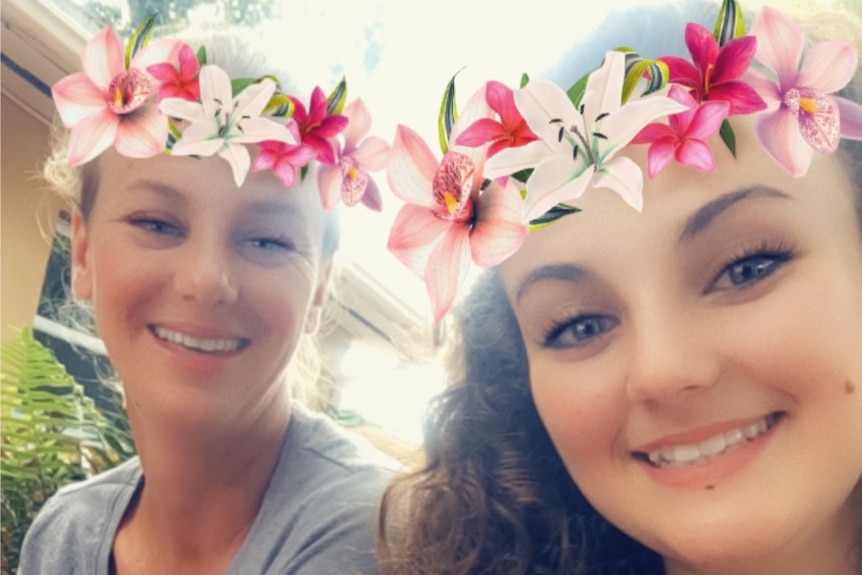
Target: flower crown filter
162 97
516 159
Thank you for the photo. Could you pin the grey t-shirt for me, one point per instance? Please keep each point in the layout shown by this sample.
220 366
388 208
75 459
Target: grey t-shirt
317 516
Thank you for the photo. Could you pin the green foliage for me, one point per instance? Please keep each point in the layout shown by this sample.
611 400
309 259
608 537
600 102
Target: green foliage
448 115
52 434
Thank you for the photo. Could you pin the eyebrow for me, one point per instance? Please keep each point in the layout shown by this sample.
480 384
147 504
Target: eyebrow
707 214
560 272
159 188
263 207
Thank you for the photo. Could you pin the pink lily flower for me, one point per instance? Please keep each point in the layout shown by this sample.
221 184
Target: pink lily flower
317 128
348 179
108 104
716 71
283 158
448 219
511 131
685 138
802 115
179 82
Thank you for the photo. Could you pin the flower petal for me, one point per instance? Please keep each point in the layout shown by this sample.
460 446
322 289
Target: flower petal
604 90
512 160
659 155
681 71
372 198
734 59
623 176
696 154
411 168
653 133
359 123
92 136
621 126
766 88
157 51
102 58
779 44
414 235
702 45
182 109
778 132
707 120
257 129
540 102
252 100
499 230
285 172
476 108
329 186
828 66
76 98
447 270
555 180
850 113
142 135
743 99
373 153
239 160
215 91
481 132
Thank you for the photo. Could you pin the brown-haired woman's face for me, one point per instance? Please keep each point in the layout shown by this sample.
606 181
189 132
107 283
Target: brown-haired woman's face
699 365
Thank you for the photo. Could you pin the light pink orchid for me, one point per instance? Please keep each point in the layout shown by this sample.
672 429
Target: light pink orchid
802 115
348 179
577 145
179 81
108 104
511 131
284 158
449 219
317 127
685 139
222 124
716 70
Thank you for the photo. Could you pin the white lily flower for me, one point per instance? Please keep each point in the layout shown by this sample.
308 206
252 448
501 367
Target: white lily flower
576 148
221 124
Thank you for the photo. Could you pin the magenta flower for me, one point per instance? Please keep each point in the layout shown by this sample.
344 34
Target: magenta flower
802 115
109 104
348 179
685 138
179 82
511 131
316 127
283 158
447 220
716 71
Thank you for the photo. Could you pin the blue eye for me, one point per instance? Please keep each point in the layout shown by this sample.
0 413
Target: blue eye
579 331
748 270
156 226
270 244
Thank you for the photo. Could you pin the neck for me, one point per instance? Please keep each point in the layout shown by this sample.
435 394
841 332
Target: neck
203 486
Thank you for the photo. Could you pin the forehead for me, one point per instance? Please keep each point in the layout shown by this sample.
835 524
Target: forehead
206 183
680 198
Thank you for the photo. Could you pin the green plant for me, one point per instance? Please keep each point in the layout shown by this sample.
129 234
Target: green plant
52 434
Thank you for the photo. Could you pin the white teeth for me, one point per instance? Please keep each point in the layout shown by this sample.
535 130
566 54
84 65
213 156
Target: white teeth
214 345
711 447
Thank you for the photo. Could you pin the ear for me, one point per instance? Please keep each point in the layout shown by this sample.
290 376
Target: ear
312 318
82 269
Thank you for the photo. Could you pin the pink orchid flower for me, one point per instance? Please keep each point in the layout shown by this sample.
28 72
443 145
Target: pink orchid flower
316 127
349 180
716 71
511 131
802 115
448 219
108 104
685 138
179 82
283 158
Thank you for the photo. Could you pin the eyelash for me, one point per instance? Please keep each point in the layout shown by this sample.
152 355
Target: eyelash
161 227
155 226
774 255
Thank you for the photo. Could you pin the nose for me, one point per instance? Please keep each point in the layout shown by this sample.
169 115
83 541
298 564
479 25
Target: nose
672 354
203 273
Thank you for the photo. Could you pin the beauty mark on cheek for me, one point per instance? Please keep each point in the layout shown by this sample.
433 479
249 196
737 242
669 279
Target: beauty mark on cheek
849 387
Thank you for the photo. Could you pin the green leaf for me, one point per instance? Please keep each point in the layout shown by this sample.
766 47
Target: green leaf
523 175
730 23
656 72
728 137
525 79
140 38
336 99
576 92
202 56
448 114
552 215
279 105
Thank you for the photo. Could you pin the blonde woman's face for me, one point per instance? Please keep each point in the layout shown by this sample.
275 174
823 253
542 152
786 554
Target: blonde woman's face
699 365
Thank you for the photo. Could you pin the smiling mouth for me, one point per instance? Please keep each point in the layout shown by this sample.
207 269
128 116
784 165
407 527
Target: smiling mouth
211 346
710 448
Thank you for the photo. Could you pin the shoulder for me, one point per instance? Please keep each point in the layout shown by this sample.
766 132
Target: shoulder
67 533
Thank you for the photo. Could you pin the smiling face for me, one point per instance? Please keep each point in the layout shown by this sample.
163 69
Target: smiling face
201 291
698 365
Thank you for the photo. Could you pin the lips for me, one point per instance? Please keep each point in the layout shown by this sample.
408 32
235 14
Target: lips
714 446
207 345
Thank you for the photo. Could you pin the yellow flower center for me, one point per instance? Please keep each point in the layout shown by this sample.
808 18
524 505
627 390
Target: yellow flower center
808 104
451 202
